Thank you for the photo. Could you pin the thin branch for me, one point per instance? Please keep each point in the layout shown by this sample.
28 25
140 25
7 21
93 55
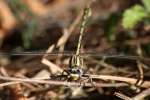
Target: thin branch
8 83
132 81
137 97
127 81
65 83
140 66
122 96
142 95
68 32
141 73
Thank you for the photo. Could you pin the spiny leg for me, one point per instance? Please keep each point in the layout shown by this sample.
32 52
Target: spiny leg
86 79
65 74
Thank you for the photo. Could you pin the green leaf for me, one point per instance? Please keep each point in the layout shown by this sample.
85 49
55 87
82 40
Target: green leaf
133 16
146 4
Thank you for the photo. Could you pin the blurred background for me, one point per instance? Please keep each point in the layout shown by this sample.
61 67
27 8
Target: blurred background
116 27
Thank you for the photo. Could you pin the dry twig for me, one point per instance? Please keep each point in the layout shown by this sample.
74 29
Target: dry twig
126 81
142 95
57 83
122 96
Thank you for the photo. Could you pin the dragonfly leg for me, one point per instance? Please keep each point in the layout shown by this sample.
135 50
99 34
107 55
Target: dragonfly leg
64 74
84 80
89 79
92 83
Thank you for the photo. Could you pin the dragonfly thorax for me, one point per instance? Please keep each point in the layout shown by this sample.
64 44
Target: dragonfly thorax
76 61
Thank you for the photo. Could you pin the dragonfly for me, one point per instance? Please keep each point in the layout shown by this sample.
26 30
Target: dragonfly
74 71
76 63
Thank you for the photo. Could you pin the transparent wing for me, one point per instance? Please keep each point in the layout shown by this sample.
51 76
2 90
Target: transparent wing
68 53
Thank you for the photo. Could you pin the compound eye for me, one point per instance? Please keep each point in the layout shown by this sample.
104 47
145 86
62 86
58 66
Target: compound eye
78 70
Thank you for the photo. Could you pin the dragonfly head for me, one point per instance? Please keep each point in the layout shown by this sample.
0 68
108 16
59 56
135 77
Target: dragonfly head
74 73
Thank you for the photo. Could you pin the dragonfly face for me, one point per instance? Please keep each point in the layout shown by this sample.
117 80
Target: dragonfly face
74 74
